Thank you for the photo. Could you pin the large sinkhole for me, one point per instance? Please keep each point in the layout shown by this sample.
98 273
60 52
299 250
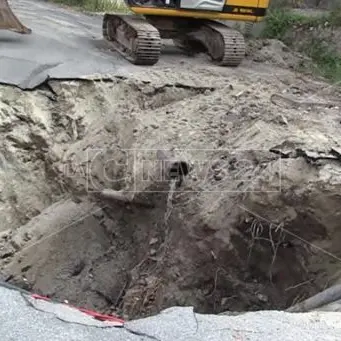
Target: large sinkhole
194 247
122 260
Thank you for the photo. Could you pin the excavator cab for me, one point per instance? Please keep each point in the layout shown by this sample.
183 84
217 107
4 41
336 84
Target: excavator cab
189 23
8 20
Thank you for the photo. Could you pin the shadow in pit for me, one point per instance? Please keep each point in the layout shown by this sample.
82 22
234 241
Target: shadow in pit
276 259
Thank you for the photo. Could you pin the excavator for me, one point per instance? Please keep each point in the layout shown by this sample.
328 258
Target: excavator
8 20
193 25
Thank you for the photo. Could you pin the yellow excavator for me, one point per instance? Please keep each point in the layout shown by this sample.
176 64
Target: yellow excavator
8 21
194 25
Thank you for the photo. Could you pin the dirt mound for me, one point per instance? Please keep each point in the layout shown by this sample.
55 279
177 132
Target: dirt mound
274 52
254 225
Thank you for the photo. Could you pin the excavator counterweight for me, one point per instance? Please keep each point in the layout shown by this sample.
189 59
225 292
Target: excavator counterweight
8 20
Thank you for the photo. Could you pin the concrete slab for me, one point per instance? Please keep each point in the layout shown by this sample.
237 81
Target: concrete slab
25 319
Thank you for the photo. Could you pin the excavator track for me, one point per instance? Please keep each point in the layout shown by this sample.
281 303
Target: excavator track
134 38
225 45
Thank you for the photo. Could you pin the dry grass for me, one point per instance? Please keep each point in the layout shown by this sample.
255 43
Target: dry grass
256 231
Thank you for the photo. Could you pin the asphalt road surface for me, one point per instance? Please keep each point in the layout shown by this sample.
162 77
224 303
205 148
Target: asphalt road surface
64 44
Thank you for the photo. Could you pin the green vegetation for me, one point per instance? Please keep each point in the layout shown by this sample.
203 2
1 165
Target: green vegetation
281 21
326 58
335 17
96 5
309 35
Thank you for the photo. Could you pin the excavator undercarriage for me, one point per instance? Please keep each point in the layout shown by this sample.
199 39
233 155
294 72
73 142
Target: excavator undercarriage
192 24
8 20
139 38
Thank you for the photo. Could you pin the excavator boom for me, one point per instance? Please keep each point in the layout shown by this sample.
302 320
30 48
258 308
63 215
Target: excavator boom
8 20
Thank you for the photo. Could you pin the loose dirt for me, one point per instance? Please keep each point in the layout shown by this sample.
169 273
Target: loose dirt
254 225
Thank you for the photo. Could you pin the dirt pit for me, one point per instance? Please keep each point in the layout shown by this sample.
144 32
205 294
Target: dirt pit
254 225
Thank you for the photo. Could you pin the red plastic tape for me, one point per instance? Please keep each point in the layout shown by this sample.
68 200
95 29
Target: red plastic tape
94 314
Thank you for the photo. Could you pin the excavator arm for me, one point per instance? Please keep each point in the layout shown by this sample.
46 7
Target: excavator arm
8 20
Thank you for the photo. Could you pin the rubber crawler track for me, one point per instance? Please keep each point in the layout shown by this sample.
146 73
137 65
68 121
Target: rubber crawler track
232 52
145 40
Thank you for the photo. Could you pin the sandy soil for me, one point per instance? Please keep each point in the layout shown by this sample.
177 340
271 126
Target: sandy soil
255 224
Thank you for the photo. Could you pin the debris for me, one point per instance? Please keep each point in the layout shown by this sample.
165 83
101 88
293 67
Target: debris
262 298
298 103
153 241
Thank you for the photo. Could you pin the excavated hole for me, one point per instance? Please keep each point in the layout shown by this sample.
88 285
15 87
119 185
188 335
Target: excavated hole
113 257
